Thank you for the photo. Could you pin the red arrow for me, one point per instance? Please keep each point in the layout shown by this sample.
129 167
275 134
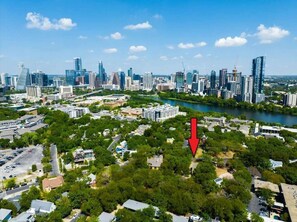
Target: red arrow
193 140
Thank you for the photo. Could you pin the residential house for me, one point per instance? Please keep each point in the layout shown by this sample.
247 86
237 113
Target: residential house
41 207
275 164
106 217
134 205
52 183
24 217
155 161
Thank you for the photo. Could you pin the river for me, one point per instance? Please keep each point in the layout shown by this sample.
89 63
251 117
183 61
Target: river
283 119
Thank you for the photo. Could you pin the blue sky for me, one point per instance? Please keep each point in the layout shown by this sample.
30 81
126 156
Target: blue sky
148 35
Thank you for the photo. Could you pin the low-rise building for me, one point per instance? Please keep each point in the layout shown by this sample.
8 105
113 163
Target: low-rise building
5 214
134 205
275 164
106 217
290 197
81 155
41 207
155 162
24 217
161 113
259 184
49 184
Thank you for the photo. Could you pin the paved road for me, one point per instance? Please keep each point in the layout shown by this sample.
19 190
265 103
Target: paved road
54 158
19 189
115 140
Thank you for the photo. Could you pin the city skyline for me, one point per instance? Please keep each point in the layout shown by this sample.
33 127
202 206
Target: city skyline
153 37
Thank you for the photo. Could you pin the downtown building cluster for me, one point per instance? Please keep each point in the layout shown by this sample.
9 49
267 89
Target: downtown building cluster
227 85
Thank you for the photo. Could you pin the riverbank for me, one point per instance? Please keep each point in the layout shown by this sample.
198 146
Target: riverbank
265 117
230 103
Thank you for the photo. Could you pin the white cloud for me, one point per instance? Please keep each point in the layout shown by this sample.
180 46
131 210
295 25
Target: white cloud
144 25
164 58
110 50
157 16
231 42
116 36
185 45
82 37
132 57
137 48
191 45
103 37
91 51
198 56
171 47
37 21
201 44
270 34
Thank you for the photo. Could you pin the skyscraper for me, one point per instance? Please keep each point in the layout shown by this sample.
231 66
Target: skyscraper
195 76
212 79
122 80
246 88
189 78
92 80
128 83
223 78
23 79
130 73
101 76
115 78
148 81
70 77
179 80
258 72
77 64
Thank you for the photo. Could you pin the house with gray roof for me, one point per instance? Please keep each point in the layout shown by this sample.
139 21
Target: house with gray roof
24 217
41 207
106 217
136 205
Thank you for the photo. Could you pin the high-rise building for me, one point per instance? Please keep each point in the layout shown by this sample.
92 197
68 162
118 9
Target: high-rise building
101 77
115 79
122 80
246 88
23 79
213 79
231 86
33 91
290 100
130 73
258 72
195 76
128 82
179 80
92 79
148 81
70 77
14 81
77 64
4 77
223 78
189 78
39 79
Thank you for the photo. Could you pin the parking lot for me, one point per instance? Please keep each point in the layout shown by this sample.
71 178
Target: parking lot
17 162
